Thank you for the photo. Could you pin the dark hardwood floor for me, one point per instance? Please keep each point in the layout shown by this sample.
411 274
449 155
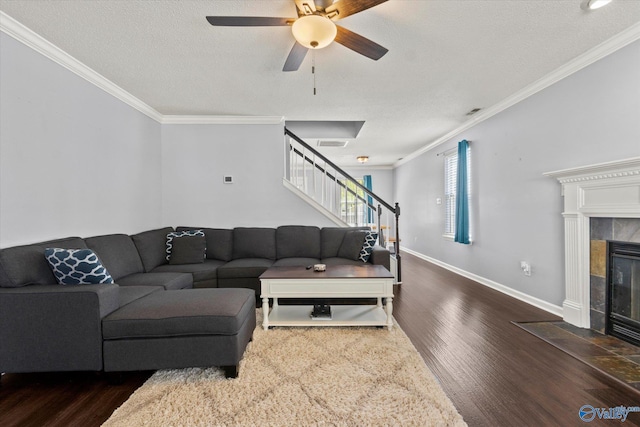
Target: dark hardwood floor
494 372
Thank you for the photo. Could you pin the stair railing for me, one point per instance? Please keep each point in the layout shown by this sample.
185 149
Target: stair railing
341 195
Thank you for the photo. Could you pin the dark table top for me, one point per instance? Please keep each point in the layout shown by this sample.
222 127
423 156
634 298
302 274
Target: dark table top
365 271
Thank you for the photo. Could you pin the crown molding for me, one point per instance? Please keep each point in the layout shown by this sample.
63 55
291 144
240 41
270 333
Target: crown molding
600 51
222 120
15 29
18 31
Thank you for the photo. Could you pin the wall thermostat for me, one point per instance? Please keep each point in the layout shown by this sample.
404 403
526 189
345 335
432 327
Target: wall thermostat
228 179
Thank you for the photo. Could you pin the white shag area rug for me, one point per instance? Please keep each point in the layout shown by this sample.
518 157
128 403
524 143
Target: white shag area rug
300 377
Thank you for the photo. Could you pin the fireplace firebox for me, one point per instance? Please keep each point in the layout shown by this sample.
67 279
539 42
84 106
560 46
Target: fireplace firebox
623 291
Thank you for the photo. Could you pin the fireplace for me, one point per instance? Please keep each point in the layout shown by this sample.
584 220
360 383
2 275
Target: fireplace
623 291
605 190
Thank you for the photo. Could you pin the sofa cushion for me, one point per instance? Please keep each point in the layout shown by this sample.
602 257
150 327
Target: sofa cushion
297 241
340 261
77 266
219 242
331 239
244 268
295 262
127 294
181 313
118 253
206 270
254 243
367 247
352 245
188 250
26 265
151 247
166 280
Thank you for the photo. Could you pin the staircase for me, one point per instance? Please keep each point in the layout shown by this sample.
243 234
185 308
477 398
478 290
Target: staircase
340 197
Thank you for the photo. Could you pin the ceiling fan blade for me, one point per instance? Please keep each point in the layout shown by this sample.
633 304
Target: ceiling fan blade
248 21
343 8
295 58
305 7
360 44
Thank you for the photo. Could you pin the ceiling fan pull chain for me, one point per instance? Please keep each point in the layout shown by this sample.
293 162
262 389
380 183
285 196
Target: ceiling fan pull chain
313 69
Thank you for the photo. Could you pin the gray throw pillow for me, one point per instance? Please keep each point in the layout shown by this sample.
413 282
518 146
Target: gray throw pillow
352 245
188 250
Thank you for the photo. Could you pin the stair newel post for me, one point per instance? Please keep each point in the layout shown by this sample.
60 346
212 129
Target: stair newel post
398 257
380 236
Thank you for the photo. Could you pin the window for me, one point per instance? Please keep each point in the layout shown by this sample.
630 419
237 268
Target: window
450 181
351 202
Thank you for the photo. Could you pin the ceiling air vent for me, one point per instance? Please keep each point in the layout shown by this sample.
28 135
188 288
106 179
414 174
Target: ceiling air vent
324 143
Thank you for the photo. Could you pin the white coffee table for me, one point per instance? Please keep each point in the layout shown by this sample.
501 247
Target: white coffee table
343 281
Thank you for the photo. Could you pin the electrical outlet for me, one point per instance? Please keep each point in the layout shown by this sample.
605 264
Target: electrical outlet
526 268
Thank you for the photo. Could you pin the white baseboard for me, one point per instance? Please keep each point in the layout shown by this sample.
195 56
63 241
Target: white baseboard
536 302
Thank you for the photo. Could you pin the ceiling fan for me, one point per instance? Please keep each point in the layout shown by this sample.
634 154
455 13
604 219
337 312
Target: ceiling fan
314 28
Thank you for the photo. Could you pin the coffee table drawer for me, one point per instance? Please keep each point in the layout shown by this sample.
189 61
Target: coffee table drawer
360 287
338 282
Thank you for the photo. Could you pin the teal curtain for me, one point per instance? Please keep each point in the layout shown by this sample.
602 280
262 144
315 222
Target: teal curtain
366 181
462 195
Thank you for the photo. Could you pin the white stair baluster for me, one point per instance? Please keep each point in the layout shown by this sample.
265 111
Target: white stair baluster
315 192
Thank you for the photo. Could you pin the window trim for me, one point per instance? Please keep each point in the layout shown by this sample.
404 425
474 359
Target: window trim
451 157
450 160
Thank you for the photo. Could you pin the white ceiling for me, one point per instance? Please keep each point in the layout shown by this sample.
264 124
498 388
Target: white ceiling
445 58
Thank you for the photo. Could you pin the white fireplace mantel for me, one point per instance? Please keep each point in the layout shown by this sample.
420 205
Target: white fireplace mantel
609 189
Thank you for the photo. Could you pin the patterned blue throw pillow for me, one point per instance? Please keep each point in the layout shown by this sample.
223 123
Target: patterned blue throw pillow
367 247
175 234
77 266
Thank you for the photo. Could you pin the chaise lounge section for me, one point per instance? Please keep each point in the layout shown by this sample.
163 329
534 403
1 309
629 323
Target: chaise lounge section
178 329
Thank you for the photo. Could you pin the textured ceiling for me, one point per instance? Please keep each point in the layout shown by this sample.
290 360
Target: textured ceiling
445 58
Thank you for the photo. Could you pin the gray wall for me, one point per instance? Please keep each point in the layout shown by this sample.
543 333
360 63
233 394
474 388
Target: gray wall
196 157
592 116
74 160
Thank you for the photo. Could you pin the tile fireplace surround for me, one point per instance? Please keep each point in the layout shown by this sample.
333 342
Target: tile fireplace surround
605 190
603 229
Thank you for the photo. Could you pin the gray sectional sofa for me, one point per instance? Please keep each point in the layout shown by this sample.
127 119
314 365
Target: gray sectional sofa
151 317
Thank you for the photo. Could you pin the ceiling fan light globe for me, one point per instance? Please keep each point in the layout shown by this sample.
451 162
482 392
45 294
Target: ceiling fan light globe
589 5
314 31
597 4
